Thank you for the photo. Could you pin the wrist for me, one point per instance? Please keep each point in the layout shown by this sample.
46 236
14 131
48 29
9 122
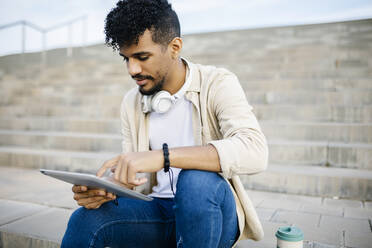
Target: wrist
166 157
158 159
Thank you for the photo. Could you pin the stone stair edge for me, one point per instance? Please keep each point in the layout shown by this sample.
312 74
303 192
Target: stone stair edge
272 167
60 134
118 136
263 122
247 92
115 103
321 171
56 152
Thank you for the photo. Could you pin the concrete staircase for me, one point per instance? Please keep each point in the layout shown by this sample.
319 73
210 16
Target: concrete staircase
310 86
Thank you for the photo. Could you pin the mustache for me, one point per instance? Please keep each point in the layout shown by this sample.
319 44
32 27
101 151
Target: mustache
139 77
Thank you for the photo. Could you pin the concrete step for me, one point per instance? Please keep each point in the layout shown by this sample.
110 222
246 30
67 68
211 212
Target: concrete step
49 81
36 230
80 124
313 180
296 72
313 113
342 84
29 185
264 65
311 131
327 154
354 98
302 52
93 110
332 154
273 112
318 131
250 84
53 159
72 141
293 179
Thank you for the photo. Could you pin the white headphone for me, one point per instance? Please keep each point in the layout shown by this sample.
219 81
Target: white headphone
160 103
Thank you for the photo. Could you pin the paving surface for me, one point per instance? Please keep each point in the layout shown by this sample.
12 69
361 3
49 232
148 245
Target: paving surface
30 200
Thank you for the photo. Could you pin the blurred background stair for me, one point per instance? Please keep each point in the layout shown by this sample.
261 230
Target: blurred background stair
310 86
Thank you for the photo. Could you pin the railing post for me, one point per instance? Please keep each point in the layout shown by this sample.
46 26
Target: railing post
84 32
23 41
43 53
69 46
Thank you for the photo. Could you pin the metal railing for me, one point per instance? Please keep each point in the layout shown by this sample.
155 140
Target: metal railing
45 31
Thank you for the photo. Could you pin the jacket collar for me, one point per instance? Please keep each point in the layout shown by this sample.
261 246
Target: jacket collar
195 77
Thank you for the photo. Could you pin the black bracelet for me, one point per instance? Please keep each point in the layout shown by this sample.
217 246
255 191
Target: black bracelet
166 157
167 165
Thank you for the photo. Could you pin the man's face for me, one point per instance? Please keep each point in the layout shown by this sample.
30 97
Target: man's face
147 63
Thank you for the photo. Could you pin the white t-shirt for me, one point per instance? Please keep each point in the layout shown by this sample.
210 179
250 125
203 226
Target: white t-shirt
174 128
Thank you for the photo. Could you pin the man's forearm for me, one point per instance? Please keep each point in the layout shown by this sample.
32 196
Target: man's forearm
195 157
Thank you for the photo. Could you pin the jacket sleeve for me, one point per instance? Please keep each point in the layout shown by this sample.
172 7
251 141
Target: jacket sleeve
126 143
243 148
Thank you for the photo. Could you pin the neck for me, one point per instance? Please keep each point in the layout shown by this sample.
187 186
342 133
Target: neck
176 78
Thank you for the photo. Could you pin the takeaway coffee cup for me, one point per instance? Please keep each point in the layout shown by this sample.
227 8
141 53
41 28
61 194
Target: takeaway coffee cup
289 237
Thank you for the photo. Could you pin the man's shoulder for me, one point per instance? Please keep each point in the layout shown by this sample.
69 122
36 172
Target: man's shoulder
212 73
211 76
213 70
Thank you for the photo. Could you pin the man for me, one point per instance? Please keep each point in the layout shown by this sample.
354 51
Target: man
200 117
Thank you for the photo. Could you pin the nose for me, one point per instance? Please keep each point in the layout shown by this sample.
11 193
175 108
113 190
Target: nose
133 67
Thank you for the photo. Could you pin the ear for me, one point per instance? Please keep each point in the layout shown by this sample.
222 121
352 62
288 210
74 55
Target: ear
175 47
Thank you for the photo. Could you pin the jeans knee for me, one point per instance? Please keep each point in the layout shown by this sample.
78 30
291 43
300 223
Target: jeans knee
198 182
197 186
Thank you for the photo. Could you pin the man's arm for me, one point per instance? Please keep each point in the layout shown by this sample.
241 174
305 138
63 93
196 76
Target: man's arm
129 164
243 147
195 158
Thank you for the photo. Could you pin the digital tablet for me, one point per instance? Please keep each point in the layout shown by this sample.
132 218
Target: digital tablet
92 181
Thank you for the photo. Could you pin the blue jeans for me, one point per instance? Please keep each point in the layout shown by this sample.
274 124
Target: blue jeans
202 214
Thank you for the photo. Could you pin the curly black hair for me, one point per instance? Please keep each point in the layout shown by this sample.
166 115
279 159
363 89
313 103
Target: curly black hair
126 22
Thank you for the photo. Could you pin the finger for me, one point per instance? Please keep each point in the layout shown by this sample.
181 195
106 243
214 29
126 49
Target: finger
118 170
90 193
86 201
132 177
95 205
108 164
125 185
111 196
79 188
124 176
139 181
124 173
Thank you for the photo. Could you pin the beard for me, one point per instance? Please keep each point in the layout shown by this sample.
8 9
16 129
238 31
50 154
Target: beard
157 87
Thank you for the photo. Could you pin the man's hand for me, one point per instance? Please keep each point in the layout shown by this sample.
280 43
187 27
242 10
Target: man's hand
91 198
127 165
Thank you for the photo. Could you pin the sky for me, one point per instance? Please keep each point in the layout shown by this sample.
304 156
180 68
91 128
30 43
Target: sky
195 16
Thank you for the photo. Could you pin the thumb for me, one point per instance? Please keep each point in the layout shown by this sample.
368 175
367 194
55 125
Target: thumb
140 181
108 164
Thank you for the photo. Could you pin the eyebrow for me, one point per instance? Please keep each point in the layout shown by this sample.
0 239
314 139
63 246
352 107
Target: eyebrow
137 54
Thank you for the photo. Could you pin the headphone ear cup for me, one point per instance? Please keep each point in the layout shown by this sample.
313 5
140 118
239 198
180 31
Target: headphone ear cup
162 101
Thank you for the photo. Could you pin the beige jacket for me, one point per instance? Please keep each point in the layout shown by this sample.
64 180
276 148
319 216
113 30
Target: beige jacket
221 117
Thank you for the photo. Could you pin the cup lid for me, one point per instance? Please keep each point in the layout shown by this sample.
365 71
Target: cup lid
290 233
